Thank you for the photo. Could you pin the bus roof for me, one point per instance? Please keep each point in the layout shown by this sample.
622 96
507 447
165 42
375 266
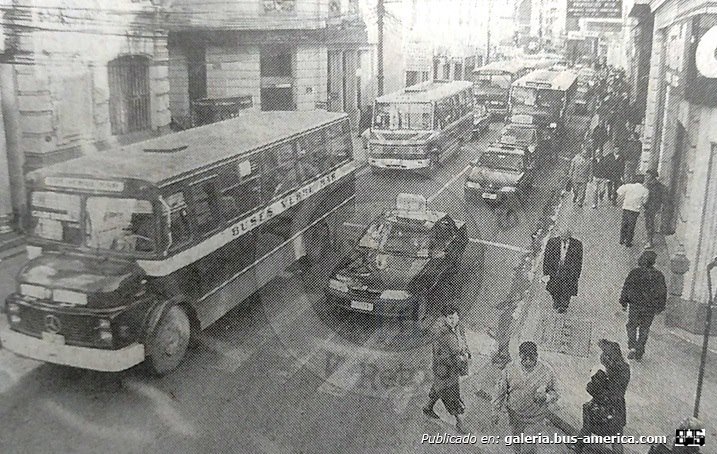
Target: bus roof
179 154
510 66
545 78
426 91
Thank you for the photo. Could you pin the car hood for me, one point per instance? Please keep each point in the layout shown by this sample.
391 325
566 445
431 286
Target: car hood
79 273
379 271
497 177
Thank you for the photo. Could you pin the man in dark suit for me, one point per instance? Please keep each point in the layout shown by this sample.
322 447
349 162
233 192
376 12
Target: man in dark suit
562 265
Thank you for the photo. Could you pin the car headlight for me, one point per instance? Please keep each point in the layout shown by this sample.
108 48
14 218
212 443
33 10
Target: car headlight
553 125
473 184
531 148
395 295
335 284
70 297
36 291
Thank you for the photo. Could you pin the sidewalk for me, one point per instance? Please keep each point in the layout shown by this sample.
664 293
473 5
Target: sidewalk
662 388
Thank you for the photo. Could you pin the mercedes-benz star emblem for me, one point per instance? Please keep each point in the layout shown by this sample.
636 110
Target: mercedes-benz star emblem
52 323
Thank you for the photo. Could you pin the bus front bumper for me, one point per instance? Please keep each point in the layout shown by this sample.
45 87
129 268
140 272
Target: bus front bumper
70 355
400 164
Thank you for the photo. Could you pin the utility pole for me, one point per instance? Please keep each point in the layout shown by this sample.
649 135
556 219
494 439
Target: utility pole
380 11
487 40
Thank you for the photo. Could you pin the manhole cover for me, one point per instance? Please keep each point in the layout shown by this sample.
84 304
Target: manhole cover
566 335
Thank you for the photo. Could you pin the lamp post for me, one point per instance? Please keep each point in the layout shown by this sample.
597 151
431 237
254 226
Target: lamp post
705 339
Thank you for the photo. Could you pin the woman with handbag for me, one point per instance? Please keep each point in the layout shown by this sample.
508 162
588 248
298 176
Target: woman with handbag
606 413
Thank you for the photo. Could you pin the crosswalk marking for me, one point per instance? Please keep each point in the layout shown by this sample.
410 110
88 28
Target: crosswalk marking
500 245
449 183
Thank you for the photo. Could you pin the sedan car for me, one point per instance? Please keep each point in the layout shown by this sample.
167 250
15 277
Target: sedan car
523 133
401 257
500 172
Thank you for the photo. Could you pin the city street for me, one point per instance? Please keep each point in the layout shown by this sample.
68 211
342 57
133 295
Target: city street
284 373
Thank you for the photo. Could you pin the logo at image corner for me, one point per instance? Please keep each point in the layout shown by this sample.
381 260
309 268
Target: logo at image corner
690 437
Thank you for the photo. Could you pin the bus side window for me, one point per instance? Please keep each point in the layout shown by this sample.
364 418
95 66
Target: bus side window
279 172
240 190
178 219
339 142
312 155
205 206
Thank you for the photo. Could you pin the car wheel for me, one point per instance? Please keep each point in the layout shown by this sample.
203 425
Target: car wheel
168 343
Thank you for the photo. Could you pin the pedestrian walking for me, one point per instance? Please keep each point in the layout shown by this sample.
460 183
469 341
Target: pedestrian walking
606 413
614 165
450 361
655 198
601 178
579 174
632 153
562 265
524 389
645 294
599 136
635 197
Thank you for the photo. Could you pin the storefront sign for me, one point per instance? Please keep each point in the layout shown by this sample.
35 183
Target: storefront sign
602 9
700 73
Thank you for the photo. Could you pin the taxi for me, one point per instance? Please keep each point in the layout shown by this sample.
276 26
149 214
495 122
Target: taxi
500 172
401 257
522 132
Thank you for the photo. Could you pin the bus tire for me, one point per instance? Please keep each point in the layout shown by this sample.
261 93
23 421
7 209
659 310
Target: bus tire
168 343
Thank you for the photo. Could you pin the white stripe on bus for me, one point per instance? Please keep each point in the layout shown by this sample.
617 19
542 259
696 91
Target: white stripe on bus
268 254
184 258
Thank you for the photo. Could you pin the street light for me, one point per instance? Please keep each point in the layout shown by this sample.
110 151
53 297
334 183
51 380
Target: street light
706 338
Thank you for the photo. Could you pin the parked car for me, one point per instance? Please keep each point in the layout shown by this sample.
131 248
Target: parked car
401 257
500 172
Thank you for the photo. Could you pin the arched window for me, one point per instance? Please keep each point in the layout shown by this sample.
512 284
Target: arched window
129 94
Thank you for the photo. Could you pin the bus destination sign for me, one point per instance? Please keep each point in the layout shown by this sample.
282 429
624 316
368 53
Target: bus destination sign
85 184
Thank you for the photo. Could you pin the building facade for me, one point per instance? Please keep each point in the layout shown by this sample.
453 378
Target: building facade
284 54
680 140
77 79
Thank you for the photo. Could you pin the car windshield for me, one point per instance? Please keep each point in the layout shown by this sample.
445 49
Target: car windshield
519 135
415 116
408 237
503 161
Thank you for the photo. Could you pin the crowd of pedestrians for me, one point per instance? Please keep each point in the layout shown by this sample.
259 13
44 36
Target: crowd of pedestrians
527 386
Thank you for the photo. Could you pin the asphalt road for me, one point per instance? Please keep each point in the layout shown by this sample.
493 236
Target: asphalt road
282 372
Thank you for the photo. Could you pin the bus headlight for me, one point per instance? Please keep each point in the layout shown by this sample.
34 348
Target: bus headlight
70 297
335 284
15 319
13 308
553 125
395 295
104 324
106 337
35 291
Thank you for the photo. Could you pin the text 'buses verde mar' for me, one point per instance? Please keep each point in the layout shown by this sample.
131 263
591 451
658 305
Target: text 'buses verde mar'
133 250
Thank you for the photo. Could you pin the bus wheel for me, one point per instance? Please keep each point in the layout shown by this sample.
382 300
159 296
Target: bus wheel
168 343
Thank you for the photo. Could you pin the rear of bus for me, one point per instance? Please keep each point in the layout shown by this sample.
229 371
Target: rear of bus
491 90
539 100
401 135
81 299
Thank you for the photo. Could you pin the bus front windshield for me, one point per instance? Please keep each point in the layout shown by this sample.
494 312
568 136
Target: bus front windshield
491 83
110 223
411 116
533 97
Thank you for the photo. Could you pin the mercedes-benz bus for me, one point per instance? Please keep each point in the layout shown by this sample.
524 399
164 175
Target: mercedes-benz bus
134 250
419 127
491 85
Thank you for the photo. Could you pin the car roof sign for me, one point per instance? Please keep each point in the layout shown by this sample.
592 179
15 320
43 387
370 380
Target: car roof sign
411 202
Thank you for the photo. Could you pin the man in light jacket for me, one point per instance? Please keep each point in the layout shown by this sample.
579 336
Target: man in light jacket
580 174
635 195
524 389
